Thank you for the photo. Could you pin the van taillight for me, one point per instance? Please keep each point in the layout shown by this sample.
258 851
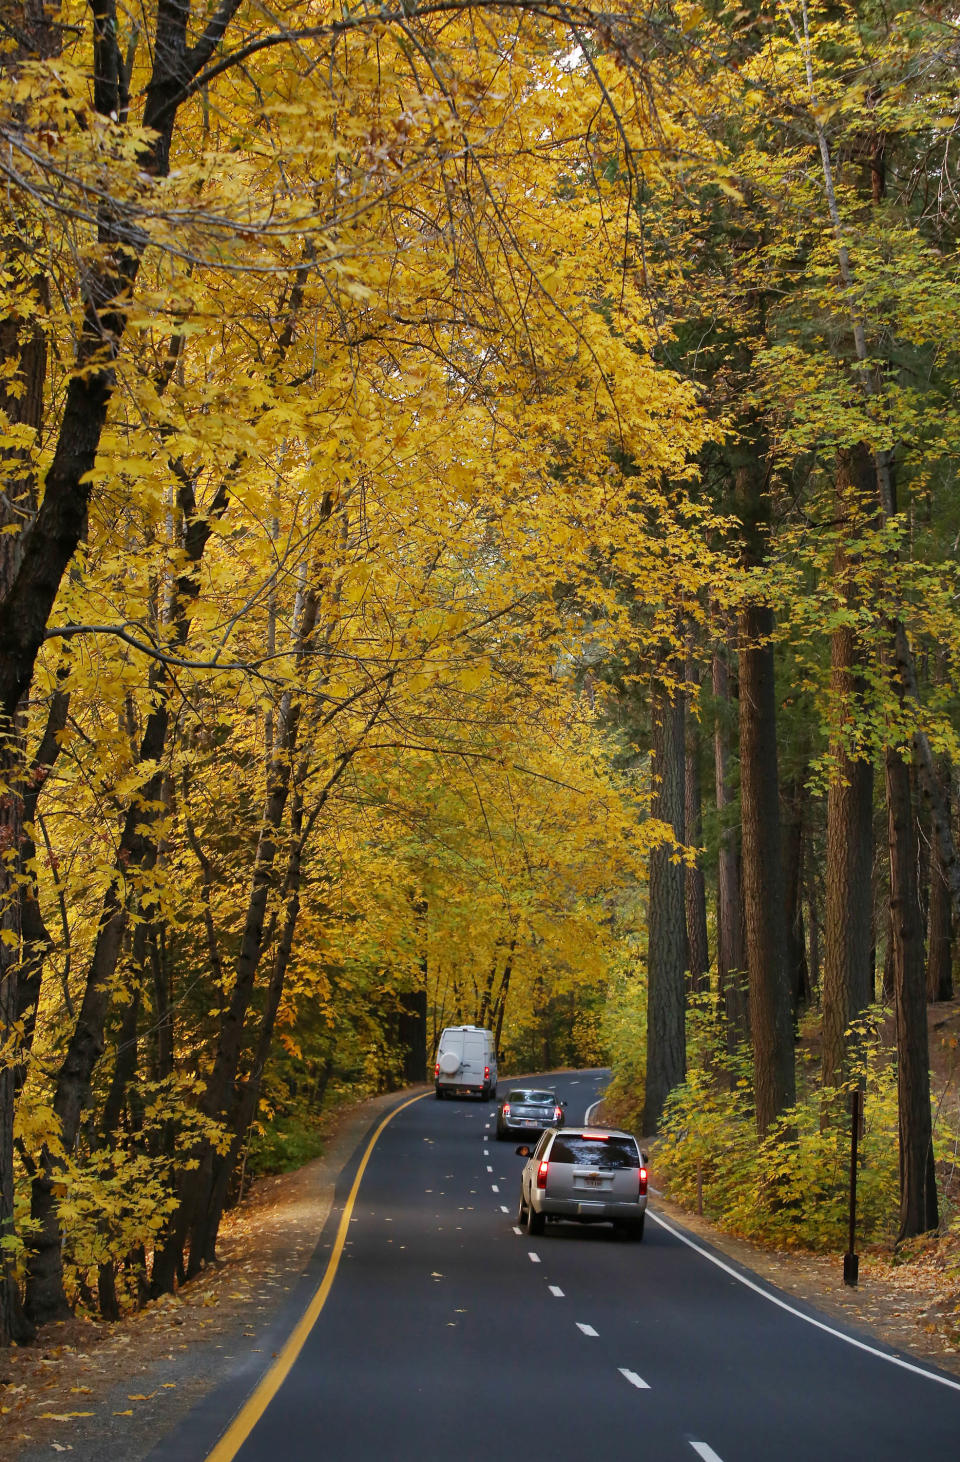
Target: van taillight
486 1073
542 1173
643 1181
436 1071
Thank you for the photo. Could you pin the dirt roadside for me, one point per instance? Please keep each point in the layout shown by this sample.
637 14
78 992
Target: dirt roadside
108 1393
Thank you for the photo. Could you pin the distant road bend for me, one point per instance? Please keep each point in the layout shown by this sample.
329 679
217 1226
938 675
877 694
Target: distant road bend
444 1332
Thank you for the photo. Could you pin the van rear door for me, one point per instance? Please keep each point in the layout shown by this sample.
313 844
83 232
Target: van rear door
474 1058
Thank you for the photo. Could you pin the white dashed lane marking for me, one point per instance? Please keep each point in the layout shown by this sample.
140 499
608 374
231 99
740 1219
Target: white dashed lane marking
556 1291
494 1187
634 1379
489 1168
534 1258
503 1208
518 1231
705 1451
587 1329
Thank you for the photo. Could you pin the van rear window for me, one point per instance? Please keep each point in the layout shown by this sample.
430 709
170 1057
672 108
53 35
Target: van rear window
608 1152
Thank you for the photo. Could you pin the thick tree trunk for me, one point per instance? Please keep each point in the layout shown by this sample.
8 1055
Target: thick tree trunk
771 1005
918 1188
695 889
849 955
939 922
793 848
848 952
666 938
731 955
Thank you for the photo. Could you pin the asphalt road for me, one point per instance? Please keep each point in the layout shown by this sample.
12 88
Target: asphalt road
447 1334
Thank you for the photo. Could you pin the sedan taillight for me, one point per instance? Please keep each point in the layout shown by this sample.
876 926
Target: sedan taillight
506 1109
557 1114
542 1173
643 1181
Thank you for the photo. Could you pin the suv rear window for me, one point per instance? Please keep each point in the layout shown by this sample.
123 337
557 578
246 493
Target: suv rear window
603 1152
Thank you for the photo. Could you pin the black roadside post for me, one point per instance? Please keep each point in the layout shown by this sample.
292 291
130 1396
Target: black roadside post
851 1260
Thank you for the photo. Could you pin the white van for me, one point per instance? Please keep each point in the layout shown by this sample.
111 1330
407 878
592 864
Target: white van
466 1062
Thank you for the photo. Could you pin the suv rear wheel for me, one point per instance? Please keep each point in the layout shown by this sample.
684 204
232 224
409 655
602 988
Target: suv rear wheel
535 1222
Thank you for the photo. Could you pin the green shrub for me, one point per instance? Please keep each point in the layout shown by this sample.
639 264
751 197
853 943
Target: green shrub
792 1188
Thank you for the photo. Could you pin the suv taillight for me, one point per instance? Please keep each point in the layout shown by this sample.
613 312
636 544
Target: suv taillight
643 1181
436 1071
542 1173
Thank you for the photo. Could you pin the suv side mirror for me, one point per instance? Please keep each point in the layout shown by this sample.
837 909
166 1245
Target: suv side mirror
523 1150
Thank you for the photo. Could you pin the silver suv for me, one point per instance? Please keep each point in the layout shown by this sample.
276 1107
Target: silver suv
587 1175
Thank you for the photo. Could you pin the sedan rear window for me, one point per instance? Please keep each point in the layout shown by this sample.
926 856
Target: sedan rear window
605 1152
533 1098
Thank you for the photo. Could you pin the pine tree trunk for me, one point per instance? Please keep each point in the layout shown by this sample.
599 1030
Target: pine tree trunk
939 927
731 957
918 1188
793 844
695 890
848 955
666 939
771 1005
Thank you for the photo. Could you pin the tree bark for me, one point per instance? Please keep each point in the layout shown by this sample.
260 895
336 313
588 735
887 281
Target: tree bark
848 954
731 955
939 920
666 938
918 1187
793 849
695 890
771 1005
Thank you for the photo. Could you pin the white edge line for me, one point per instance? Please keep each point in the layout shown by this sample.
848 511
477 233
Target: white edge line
592 1108
634 1379
895 1360
705 1451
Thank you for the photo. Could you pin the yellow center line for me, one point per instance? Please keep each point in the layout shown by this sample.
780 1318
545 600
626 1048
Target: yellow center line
256 1404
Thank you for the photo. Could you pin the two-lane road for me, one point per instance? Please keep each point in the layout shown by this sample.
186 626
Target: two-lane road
446 1332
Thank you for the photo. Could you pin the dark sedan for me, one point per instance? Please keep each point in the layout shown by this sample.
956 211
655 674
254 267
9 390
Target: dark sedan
526 1109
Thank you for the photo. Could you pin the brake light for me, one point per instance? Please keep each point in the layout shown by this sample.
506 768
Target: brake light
643 1181
557 1114
486 1073
542 1173
506 1109
436 1071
